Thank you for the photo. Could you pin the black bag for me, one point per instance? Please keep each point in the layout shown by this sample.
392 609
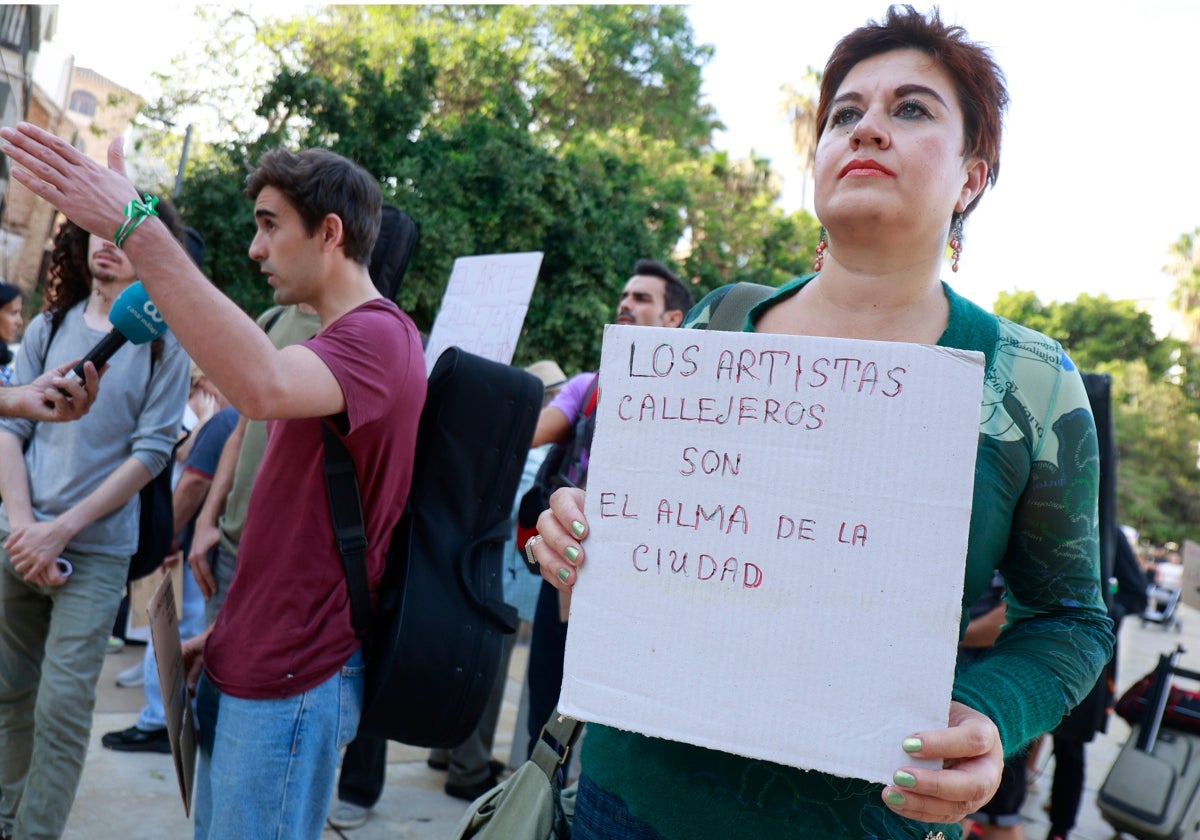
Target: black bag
1181 710
393 249
433 646
156 523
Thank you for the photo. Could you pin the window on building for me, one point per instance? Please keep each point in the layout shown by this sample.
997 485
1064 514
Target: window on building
83 102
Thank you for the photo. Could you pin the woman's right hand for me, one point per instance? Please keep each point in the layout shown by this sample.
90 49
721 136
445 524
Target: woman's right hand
562 528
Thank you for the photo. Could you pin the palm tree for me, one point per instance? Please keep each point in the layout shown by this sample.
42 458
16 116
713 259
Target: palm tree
1184 266
799 107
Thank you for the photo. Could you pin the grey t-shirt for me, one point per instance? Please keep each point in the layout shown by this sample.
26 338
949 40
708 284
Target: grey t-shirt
134 414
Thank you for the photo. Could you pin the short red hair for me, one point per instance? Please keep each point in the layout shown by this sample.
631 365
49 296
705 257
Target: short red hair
982 90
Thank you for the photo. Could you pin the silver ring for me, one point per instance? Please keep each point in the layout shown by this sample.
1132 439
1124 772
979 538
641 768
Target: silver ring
529 544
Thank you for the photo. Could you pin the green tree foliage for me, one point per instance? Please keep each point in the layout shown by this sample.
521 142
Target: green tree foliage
574 68
1154 402
577 131
1023 307
1095 330
1158 483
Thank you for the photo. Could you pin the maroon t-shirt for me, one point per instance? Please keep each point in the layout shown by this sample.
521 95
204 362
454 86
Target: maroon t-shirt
285 625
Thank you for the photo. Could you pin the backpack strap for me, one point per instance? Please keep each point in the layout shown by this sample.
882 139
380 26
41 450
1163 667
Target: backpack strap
588 407
349 533
730 314
49 340
273 317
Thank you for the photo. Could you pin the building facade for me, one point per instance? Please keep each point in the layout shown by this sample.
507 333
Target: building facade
79 105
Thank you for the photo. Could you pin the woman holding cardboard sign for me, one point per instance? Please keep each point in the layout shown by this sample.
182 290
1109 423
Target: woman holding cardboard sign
909 126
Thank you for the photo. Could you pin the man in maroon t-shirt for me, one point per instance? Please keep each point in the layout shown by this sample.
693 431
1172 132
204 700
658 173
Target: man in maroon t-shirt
283 653
282 688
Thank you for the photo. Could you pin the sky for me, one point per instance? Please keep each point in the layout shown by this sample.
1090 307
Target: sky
1096 181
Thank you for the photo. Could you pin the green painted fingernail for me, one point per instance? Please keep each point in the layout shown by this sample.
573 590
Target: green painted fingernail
894 797
904 779
577 528
911 745
564 575
572 555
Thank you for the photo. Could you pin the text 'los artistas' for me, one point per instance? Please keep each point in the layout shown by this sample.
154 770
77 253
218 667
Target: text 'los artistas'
722 520
792 373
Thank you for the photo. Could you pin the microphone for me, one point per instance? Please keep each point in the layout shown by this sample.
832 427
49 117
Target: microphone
135 319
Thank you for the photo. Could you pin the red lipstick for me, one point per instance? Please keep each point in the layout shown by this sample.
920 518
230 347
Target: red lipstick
865 167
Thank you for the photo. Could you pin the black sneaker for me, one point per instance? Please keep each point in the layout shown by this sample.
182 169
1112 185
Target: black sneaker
138 740
472 792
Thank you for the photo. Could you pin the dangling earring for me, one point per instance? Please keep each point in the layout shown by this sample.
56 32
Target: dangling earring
956 240
819 256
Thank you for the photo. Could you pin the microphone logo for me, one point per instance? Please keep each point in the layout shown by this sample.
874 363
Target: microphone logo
152 311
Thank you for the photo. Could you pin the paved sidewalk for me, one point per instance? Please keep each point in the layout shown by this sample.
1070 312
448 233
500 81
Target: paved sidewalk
127 796
135 796
1138 650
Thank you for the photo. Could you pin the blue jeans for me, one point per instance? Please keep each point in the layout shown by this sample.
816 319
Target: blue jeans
265 768
601 816
191 622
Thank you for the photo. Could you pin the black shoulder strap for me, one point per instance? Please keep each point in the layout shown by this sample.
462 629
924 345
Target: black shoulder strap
54 325
730 314
273 319
345 507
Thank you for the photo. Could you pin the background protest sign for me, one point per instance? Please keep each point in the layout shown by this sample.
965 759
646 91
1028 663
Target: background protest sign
778 532
484 306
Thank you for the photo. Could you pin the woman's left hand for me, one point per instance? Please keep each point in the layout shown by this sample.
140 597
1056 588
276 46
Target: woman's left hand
972 759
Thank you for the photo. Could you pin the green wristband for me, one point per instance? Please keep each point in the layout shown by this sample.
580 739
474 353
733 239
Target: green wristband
135 213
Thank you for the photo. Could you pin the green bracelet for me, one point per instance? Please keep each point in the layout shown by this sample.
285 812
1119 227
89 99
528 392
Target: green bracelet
135 213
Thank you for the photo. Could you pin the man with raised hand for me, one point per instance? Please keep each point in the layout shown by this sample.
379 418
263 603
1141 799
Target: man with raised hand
281 690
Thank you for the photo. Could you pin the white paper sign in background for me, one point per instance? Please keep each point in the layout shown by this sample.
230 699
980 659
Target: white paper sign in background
1190 579
484 306
778 533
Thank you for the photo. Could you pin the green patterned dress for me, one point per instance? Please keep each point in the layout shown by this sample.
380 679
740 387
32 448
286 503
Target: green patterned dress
1034 518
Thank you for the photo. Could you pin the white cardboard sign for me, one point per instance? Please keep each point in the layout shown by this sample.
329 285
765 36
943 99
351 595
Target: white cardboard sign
778 533
484 306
